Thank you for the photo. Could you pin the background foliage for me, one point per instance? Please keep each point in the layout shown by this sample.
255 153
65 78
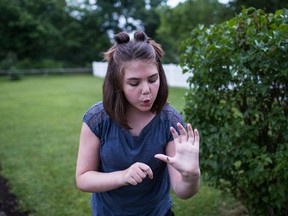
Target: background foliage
239 100
177 24
72 33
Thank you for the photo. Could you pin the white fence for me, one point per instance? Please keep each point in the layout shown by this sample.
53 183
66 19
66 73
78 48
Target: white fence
174 74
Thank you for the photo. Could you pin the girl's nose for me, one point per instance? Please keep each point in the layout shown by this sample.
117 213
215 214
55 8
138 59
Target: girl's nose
146 88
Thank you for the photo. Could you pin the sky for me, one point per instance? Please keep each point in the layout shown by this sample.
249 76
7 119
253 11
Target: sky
173 3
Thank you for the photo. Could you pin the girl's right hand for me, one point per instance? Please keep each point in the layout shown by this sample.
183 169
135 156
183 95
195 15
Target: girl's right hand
136 173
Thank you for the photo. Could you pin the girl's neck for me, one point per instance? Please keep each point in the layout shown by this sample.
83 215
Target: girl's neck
137 120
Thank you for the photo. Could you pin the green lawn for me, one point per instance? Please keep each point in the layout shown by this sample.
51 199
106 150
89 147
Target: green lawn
40 121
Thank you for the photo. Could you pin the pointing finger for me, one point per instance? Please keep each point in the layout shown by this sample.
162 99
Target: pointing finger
147 170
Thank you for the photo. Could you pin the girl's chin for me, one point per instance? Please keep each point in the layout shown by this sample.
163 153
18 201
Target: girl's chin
141 108
144 109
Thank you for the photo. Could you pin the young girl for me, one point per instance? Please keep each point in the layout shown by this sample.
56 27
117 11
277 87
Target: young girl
133 145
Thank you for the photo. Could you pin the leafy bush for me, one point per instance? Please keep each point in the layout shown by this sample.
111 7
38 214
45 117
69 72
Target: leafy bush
239 102
14 74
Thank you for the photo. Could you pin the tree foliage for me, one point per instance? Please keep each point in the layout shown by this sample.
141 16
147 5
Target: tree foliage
239 102
34 32
177 23
60 33
129 15
267 6
41 33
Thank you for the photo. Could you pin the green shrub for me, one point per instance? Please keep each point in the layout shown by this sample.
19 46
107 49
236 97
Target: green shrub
14 74
239 102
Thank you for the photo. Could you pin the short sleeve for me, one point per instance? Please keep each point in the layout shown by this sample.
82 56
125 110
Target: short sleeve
172 117
94 118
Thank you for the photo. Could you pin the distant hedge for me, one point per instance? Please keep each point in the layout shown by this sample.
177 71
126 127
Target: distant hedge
239 102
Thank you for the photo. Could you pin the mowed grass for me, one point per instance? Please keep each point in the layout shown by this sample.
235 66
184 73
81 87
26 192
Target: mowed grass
40 121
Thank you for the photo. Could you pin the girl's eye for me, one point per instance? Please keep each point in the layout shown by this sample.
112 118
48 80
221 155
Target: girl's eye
133 83
153 79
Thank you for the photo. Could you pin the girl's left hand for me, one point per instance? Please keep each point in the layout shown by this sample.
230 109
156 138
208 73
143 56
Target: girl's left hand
186 158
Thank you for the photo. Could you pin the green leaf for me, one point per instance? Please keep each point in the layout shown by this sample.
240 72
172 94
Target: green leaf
237 164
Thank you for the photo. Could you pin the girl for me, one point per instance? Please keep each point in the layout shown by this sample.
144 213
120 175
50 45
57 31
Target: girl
133 145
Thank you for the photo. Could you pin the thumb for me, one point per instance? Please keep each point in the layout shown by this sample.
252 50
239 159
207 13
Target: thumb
163 158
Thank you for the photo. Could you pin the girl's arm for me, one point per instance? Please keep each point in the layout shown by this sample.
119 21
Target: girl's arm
88 177
182 158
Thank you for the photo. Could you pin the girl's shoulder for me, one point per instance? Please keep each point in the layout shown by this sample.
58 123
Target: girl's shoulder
96 110
95 115
169 113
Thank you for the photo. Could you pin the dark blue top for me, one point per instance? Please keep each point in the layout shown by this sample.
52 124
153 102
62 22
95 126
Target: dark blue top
120 149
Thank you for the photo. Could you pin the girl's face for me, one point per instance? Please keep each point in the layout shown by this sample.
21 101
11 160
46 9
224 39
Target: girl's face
141 84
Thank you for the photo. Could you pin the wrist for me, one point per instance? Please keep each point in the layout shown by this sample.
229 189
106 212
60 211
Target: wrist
189 177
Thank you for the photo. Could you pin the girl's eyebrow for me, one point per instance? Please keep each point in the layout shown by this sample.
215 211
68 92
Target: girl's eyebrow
153 75
135 78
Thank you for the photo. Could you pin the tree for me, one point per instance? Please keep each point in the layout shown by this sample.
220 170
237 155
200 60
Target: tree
238 101
84 39
129 15
268 5
45 33
177 23
28 27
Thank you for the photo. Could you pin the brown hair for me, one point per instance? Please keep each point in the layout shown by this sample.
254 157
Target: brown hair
125 50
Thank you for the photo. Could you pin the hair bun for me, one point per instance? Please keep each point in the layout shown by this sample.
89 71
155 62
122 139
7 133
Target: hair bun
122 37
140 36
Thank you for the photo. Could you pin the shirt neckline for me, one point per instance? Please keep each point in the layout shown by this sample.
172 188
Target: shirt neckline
145 129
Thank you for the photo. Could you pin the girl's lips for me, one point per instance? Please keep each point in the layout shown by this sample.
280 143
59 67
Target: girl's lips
146 102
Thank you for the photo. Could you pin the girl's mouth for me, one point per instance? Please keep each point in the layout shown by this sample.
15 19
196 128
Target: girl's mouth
146 102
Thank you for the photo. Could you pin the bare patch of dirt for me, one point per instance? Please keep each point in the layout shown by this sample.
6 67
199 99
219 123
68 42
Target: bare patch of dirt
8 201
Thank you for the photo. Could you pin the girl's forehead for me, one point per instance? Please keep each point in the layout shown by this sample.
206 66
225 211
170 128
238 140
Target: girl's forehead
137 62
139 69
